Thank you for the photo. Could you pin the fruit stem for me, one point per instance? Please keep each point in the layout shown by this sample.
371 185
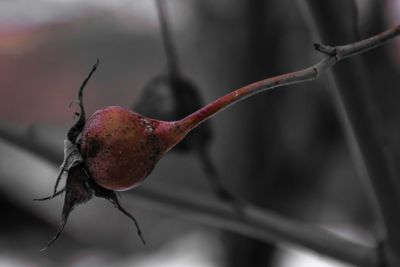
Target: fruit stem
332 56
206 112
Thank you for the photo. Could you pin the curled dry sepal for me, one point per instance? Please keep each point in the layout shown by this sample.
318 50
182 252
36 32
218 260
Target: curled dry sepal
116 148
80 187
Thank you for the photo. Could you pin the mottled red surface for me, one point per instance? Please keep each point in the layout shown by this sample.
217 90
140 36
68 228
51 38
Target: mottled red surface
120 147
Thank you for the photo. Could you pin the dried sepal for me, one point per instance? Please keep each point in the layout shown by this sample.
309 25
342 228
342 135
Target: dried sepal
112 197
79 187
77 191
72 157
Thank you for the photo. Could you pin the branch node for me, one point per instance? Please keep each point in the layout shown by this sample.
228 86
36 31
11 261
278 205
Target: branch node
325 49
315 72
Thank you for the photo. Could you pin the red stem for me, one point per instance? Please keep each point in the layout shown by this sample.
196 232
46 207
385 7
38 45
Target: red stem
206 112
333 55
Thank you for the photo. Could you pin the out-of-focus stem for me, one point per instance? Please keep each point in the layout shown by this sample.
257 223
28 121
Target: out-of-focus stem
354 93
172 58
252 221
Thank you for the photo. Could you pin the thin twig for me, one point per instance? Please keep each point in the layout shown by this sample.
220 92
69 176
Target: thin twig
252 222
256 223
351 140
332 56
362 111
331 85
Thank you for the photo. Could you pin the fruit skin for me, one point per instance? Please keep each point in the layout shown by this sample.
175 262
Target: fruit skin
120 147
172 97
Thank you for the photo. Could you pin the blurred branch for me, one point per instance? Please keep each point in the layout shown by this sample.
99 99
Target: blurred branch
354 90
253 222
26 138
351 140
170 51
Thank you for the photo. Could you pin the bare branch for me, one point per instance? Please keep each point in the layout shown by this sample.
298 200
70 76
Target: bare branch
255 223
349 50
333 55
252 222
170 51
362 111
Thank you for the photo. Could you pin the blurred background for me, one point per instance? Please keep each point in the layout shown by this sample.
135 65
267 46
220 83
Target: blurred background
283 150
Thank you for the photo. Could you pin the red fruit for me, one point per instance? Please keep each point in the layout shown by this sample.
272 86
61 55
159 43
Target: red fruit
120 147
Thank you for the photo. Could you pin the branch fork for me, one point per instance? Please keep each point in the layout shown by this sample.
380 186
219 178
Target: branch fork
268 226
326 49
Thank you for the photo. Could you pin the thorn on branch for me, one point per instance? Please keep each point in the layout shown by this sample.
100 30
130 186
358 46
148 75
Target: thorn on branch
325 49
